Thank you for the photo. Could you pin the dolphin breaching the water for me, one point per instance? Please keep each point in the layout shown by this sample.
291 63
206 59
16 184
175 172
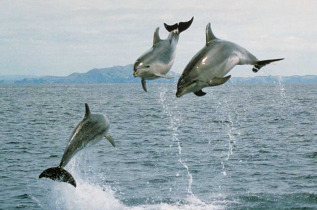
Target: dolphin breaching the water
158 60
210 65
88 132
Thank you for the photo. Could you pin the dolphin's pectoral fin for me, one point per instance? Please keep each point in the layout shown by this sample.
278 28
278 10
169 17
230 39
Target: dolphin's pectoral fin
163 76
200 93
144 85
109 138
219 81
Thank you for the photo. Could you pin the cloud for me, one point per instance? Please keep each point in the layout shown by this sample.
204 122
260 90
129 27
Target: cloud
61 37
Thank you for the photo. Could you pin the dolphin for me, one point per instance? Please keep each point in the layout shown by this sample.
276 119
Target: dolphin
210 65
157 61
88 132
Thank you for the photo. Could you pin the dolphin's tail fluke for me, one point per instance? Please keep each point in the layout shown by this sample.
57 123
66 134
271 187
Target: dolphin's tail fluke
258 65
181 26
58 174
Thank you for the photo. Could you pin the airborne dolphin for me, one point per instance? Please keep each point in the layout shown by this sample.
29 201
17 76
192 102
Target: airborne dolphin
157 61
88 132
209 66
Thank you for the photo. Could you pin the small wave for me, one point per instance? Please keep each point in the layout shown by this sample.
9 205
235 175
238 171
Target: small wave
22 196
311 155
222 121
308 176
13 142
165 206
53 155
158 181
20 206
288 200
148 163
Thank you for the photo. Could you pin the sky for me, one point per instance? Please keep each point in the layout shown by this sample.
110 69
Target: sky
59 37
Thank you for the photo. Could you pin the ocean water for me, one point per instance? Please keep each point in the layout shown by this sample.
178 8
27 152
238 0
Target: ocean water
239 147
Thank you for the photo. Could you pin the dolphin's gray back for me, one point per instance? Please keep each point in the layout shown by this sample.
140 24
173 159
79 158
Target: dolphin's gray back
245 57
88 132
164 51
212 59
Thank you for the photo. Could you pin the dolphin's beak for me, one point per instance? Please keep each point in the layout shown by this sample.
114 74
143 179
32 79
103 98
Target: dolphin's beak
135 74
179 93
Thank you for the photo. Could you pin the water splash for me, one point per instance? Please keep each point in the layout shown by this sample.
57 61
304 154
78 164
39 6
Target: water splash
283 100
89 195
175 121
85 196
281 85
227 113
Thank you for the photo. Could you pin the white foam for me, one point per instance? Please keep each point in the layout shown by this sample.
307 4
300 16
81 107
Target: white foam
84 196
193 204
89 196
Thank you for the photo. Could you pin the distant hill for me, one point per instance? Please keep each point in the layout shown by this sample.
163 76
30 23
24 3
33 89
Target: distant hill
274 79
116 74
9 79
123 74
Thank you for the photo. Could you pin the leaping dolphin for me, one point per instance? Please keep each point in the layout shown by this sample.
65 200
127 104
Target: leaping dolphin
209 66
88 132
157 61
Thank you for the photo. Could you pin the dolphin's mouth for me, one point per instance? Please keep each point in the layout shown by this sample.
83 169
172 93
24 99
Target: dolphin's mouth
135 74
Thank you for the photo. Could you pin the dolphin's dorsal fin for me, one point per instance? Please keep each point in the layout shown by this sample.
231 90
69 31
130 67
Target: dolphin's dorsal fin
209 35
87 113
156 37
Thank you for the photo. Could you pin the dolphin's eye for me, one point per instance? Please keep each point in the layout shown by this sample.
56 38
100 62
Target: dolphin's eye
148 66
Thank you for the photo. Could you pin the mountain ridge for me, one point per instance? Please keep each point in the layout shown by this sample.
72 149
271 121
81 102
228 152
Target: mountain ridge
123 74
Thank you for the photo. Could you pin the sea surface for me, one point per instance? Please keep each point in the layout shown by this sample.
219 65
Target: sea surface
238 147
